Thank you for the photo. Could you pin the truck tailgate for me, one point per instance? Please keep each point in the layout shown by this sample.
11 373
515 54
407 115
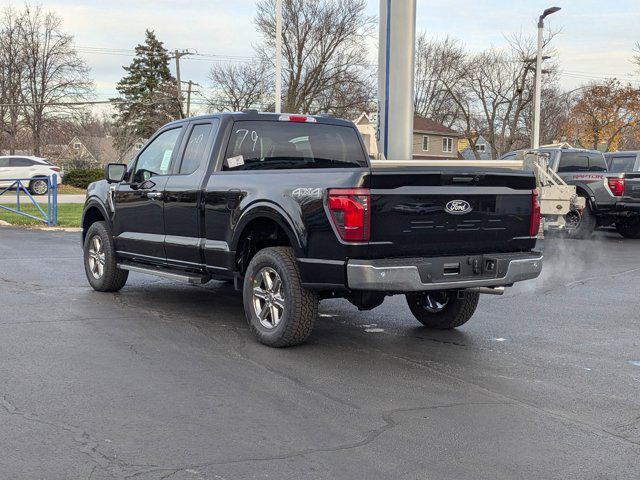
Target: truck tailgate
421 213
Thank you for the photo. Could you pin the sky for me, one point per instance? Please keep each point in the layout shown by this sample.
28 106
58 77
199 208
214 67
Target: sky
596 38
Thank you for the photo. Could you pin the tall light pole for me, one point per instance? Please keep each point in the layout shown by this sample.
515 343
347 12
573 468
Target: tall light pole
278 56
538 87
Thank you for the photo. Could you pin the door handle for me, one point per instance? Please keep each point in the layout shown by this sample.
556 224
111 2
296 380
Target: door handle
154 195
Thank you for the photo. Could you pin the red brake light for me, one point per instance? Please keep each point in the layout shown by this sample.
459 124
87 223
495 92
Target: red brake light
535 213
616 185
55 169
297 118
350 212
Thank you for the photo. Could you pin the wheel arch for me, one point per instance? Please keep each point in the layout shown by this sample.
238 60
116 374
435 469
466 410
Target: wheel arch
273 228
584 191
271 212
93 212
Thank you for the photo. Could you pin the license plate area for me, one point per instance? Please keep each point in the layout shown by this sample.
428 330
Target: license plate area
470 267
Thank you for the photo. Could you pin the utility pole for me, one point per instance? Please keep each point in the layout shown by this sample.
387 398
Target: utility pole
278 56
190 84
189 99
538 88
177 55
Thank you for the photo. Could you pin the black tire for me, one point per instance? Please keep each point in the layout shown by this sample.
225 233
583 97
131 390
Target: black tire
450 312
629 228
38 186
112 278
586 226
299 305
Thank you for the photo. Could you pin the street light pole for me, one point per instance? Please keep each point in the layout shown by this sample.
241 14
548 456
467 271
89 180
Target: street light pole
278 56
538 85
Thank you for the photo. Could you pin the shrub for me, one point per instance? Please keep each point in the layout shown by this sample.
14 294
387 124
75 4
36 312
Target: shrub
82 177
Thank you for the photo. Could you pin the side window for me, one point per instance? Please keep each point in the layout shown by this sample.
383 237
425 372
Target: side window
597 163
156 158
195 151
573 162
4 162
20 162
509 156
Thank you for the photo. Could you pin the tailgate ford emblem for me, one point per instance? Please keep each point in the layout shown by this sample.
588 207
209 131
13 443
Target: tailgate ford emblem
458 207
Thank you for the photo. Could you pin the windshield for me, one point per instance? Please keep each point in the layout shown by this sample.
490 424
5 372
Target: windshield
269 145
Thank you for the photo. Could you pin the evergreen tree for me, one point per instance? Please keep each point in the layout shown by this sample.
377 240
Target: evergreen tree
148 97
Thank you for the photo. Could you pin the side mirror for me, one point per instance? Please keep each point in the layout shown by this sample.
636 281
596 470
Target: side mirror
115 172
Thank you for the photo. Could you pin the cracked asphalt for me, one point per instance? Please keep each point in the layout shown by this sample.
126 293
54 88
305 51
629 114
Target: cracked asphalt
164 381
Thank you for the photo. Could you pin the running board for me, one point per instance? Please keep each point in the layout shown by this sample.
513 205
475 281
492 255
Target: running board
159 272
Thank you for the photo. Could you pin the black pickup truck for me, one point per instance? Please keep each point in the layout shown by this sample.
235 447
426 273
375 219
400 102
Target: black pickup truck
289 208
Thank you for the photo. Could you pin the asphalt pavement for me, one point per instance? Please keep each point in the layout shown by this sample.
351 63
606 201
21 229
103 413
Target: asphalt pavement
164 381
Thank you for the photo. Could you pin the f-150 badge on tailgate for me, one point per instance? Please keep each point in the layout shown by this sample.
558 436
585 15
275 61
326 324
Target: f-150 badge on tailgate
457 207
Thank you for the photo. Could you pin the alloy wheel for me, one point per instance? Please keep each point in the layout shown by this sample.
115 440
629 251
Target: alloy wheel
435 302
268 297
97 257
40 187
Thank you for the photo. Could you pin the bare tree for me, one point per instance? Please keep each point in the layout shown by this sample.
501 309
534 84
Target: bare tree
437 74
54 74
12 64
324 53
238 87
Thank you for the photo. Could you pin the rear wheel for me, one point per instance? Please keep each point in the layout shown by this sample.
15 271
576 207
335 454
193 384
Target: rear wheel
280 311
444 309
629 228
581 225
39 186
100 262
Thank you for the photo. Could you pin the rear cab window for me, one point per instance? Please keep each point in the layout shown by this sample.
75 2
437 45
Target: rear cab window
619 164
274 145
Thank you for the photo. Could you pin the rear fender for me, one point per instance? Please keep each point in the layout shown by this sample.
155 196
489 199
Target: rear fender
277 214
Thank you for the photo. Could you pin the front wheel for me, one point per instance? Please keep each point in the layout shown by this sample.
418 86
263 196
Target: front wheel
39 186
100 264
629 228
443 309
280 311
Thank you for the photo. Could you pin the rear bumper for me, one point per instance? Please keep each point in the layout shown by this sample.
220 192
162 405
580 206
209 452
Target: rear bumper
630 207
423 274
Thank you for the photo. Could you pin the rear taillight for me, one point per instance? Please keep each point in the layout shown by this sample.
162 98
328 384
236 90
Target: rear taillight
55 169
350 211
616 185
535 213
